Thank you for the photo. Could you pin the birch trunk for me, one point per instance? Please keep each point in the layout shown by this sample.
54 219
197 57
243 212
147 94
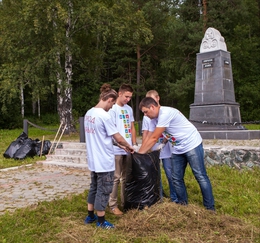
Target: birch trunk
33 107
39 107
64 90
22 100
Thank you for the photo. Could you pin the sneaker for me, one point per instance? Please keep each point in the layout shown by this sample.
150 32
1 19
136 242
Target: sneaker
105 225
116 211
89 220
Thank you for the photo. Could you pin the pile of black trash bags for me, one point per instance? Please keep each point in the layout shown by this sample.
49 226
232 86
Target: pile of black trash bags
24 147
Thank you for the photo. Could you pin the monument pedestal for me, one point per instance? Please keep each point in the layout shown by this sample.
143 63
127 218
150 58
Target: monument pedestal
214 106
216 116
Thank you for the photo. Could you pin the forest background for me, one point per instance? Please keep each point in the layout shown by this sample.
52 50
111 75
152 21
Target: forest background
56 54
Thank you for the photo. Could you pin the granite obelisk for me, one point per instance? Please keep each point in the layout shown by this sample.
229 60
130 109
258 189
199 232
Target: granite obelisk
214 101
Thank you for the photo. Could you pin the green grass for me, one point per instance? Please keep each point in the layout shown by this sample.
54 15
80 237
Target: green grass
236 194
252 126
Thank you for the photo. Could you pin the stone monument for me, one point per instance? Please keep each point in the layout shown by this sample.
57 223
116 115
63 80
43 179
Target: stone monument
214 102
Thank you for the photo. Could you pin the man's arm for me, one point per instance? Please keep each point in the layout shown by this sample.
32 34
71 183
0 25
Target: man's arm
145 135
133 133
123 143
151 140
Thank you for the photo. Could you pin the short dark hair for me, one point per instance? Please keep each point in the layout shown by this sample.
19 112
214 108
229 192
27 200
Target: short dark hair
125 88
147 102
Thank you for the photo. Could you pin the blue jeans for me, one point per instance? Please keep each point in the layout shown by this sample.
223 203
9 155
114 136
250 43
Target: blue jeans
167 165
195 158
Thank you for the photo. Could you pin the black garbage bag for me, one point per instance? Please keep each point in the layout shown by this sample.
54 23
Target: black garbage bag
15 145
26 150
142 181
45 147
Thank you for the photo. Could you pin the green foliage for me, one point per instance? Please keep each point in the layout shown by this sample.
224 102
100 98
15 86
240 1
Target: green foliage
102 40
45 120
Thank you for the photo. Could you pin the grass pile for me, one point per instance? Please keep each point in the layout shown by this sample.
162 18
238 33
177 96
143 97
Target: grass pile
165 222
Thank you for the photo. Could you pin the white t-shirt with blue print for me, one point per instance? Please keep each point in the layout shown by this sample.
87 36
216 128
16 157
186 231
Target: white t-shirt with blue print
122 117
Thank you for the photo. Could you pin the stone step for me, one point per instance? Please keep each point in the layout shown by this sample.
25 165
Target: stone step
67 158
63 164
71 151
68 154
70 145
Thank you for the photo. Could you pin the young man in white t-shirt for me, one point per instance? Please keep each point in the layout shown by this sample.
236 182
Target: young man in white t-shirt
123 118
148 126
99 131
186 148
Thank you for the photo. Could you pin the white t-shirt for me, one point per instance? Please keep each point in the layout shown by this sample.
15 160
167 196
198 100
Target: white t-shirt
99 129
149 125
179 131
122 117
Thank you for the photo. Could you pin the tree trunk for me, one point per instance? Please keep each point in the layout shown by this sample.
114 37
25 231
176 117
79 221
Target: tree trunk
33 107
22 100
39 107
64 102
138 75
64 89
205 17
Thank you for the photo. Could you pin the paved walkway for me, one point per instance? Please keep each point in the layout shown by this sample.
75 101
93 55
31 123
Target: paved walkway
27 185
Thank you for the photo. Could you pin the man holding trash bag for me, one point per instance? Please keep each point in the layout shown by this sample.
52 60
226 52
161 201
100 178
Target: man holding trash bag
186 148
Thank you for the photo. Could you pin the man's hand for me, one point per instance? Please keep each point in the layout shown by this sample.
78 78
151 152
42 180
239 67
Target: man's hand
129 149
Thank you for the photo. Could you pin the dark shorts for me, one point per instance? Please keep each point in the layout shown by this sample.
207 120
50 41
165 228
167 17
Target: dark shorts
100 188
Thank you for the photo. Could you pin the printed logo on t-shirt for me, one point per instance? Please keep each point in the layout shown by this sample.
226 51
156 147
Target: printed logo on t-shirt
89 124
160 139
170 138
124 116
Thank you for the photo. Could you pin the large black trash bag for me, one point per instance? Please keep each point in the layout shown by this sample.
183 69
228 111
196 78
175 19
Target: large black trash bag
45 147
142 181
15 145
26 150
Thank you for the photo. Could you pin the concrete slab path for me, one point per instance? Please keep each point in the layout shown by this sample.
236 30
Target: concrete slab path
27 185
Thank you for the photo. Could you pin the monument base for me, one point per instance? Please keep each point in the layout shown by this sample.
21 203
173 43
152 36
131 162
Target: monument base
231 135
216 116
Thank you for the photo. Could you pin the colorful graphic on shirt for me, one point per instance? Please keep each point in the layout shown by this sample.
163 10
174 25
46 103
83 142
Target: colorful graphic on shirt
160 139
125 119
170 138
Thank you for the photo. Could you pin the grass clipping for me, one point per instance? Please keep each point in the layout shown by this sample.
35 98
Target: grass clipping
165 222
